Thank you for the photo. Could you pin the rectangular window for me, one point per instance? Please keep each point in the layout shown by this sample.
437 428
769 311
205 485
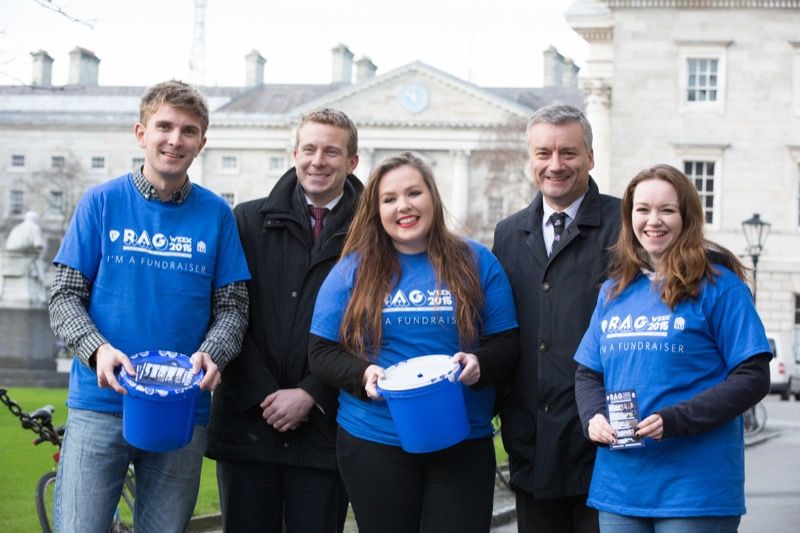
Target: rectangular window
18 160
702 67
57 161
797 309
98 162
229 162
276 163
701 173
55 202
701 84
137 162
494 210
16 202
229 197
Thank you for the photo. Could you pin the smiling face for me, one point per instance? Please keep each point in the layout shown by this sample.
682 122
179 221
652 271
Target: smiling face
406 209
321 161
656 218
171 139
559 162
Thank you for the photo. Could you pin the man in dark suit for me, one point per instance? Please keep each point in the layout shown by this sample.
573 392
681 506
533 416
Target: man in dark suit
273 424
555 252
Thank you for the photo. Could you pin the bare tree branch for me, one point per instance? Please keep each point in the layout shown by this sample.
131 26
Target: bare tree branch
48 4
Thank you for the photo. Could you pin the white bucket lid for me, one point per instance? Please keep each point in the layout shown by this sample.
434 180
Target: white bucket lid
418 372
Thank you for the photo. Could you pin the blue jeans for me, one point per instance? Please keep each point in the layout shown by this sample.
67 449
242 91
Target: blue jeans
94 461
615 523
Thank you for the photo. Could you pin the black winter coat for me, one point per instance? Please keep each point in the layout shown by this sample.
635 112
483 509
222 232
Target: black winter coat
555 297
288 270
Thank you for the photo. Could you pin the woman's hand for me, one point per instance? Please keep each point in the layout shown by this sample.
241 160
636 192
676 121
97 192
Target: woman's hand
652 426
600 431
370 381
470 368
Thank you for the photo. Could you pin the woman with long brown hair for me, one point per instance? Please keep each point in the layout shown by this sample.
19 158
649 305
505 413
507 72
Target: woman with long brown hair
406 286
674 354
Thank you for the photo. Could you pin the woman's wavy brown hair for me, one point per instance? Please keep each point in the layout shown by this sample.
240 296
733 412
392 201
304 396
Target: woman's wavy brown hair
690 258
379 268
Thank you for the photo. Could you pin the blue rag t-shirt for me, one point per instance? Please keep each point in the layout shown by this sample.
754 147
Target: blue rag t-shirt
153 268
668 356
418 319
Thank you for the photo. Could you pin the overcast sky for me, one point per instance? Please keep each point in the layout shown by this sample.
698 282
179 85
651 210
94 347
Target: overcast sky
139 42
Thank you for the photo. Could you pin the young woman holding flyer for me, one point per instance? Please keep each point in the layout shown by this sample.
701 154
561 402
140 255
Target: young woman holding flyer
674 354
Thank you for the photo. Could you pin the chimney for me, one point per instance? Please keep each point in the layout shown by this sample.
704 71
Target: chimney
569 77
254 70
42 68
342 71
553 67
365 69
82 67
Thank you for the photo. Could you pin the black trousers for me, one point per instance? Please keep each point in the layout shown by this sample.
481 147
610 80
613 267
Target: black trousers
260 497
557 515
393 491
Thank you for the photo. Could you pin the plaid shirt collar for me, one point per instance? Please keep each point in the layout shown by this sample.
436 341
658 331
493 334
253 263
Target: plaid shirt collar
149 192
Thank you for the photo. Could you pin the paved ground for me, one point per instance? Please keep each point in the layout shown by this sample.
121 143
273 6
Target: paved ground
772 474
772 483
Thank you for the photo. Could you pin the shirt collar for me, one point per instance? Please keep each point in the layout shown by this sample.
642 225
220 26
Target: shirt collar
330 205
571 211
149 192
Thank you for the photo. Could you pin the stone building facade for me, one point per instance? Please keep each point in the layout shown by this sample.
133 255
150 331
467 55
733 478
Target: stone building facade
57 140
713 88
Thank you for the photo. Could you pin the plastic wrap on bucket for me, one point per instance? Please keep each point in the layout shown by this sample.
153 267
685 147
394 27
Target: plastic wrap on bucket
158 411
427 402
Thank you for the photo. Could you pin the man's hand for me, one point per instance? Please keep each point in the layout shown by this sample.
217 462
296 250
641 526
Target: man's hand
470 368
107 359
600 430
370 381
212 376
284 409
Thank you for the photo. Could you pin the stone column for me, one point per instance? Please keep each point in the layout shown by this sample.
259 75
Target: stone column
597 93
366 160
196 171
459 195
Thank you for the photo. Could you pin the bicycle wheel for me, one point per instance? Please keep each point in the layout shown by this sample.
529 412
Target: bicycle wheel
44 501
501 469
123 517
760 412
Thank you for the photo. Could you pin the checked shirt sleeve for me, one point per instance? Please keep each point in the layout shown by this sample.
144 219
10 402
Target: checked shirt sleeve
69 318
229 312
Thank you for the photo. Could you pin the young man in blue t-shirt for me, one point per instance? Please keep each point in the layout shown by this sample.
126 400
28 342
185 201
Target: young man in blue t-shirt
150 261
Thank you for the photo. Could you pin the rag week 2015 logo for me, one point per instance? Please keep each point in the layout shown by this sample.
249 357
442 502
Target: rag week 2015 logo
630 326
642 325
159 244
423 308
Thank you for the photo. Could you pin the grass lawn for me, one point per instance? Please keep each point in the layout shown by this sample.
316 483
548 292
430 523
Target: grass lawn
21 463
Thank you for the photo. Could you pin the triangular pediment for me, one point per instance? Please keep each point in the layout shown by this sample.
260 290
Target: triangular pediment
420 95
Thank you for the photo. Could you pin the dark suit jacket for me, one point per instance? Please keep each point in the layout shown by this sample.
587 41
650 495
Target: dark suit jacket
555 297
288 269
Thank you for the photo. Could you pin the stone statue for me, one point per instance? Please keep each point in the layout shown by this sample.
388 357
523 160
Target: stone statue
22 267
26 236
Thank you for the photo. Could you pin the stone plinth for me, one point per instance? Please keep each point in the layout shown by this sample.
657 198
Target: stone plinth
22 284
28 341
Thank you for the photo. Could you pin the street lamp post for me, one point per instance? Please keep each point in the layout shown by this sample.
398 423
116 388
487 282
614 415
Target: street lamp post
755 233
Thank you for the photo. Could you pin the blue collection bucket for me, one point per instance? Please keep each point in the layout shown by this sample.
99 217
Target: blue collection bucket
426 401
158 411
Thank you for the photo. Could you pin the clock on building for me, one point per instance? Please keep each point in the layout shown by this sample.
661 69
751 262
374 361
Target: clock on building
414 97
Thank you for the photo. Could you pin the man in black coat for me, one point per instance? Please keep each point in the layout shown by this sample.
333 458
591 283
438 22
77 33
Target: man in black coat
273 424
556 253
